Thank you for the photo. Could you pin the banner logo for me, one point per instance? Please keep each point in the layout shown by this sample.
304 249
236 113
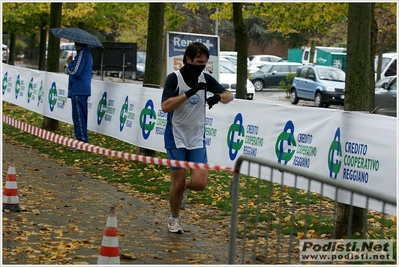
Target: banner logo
101 108
235 136
30 89
17 86
123 114
52 96
335 155
147 119
40 94
5 82
286 140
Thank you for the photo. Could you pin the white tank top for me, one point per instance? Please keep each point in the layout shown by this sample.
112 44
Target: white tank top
188 121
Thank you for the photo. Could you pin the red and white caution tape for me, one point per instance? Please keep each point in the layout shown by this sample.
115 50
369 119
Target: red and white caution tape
66 141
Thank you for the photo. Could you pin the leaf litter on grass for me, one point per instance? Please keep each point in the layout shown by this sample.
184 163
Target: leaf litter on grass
150 183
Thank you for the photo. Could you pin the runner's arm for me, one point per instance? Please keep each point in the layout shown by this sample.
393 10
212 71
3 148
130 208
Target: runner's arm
215 87
170 99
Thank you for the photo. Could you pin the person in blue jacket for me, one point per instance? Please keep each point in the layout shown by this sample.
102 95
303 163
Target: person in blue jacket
79 89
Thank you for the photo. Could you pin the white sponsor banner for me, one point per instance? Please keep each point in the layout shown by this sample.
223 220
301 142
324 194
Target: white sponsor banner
151 121
24 88
354 147
113 110
57 105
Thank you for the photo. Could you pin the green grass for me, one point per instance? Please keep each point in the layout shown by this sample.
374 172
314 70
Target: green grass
146 178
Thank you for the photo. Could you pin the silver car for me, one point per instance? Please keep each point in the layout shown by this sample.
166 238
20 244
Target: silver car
385 97
63 65
260 60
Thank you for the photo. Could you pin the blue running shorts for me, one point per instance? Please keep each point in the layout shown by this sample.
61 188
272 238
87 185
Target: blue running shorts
182 154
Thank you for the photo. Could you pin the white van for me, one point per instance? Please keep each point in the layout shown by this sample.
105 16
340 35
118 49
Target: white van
306 52
388 65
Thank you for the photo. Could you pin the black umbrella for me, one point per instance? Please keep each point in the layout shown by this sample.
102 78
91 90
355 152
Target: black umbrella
77 35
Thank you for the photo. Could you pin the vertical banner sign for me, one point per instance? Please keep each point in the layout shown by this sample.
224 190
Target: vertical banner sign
177 43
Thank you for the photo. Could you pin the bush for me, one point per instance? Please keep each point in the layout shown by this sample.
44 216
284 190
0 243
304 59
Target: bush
287 86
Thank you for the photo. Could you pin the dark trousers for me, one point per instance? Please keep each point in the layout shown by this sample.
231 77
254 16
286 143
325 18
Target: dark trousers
79 116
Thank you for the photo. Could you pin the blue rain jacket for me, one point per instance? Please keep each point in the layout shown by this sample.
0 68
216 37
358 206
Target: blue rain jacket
80 73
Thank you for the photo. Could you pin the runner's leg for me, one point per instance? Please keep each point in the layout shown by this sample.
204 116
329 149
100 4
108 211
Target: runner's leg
199 177
176 190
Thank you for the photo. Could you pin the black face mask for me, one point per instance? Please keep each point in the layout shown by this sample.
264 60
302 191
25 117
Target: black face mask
193 71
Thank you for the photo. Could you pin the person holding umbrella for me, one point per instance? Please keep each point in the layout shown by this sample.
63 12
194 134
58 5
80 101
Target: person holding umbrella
80 72
79 89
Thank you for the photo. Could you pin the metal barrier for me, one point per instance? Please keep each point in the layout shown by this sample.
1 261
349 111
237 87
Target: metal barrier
268 219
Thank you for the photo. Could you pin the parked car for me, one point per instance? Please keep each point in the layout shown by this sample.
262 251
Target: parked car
379 83
140 66
323 84
259 60
232 59
271 74
228 53
67 46
385 97
5 53
64 54
228 78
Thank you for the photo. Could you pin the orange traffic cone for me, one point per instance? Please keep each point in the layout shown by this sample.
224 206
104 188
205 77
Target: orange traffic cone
10 195
109 252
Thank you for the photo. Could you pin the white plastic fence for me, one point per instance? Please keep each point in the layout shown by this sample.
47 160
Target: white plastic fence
268 219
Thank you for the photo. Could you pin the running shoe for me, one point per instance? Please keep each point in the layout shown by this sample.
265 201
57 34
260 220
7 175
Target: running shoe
183 200
174 225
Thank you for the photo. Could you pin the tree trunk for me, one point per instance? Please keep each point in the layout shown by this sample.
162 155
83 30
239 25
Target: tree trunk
241 33
42 50
358 93
347 223
11 59
358 74
312 52
53 52
373 49
152 75
52 56
153 66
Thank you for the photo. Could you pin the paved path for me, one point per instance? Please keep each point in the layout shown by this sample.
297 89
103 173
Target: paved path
65 215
